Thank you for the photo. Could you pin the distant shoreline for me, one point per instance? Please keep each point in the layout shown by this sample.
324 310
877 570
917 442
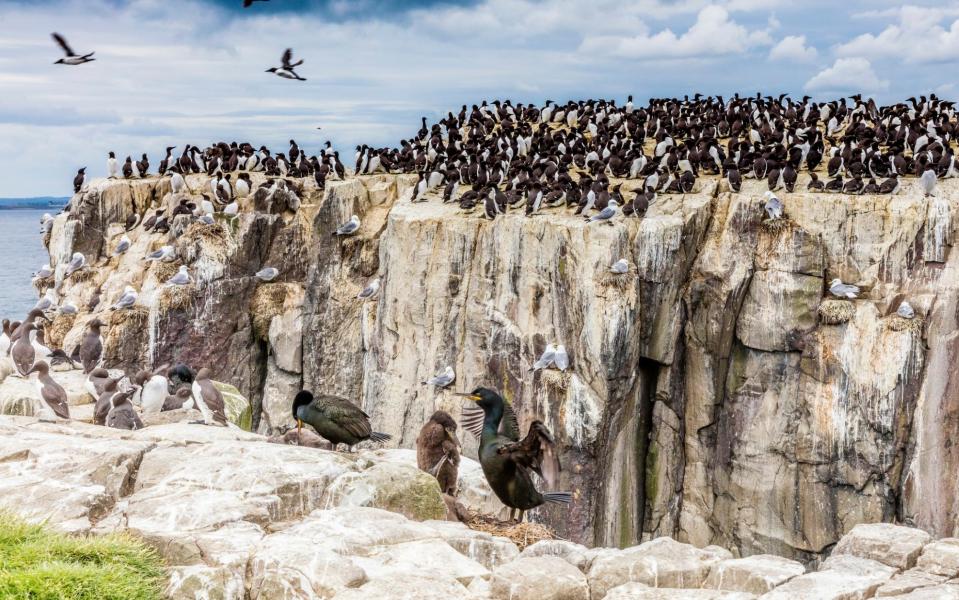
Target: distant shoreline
37 203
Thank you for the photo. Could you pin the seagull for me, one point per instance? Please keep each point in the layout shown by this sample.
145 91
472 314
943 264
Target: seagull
350 227
72 58
182 277
44 272
620 266
165 254
562 358
606 214
68 309
49 301
905 310
267 274
286 71
774 206
843 290
928 181
370 290
548 357
443 379
207 219
123 246
76 263
127 300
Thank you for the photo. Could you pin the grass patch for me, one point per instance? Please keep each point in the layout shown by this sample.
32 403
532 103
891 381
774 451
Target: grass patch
37 563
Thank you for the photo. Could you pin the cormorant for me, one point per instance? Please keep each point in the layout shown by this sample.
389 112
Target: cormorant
438 450
336 419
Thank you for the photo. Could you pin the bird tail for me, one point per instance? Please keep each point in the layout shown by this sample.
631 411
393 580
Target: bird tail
558 497
376 436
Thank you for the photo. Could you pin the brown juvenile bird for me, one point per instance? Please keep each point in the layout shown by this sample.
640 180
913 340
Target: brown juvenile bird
438 450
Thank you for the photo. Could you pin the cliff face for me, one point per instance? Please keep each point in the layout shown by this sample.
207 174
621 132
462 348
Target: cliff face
715 394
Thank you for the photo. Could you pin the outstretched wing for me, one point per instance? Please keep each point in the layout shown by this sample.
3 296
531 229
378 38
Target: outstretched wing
62 42
345 414
536 452
287 57
472 421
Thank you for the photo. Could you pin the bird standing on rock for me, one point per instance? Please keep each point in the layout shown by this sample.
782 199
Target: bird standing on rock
438 450
509 462
337 420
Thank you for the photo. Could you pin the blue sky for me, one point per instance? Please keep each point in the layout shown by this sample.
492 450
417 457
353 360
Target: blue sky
176 71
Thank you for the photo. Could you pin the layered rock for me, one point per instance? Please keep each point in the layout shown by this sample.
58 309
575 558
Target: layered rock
707 397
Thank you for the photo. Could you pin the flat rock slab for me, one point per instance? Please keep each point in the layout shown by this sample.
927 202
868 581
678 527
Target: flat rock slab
906 582
892 545
756 574
638 591
842 577
941 557
539 578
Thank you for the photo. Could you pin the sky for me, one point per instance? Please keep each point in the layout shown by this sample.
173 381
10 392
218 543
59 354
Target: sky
171 72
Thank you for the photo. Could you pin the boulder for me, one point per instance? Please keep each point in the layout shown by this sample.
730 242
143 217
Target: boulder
842 577
755 574
908 581
662 562
941 557
892 545
486 549
237 407
403 585
538 578
638 591
575 554
938 592
401 488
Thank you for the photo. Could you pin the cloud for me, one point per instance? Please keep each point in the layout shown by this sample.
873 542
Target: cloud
713 34
847 75
917 37
793 48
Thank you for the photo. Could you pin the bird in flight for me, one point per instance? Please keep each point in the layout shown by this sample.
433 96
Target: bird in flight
72 57
249 3
286 71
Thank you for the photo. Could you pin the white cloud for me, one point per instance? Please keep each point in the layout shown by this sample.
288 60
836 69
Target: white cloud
918 36
793 48
847 75
713 34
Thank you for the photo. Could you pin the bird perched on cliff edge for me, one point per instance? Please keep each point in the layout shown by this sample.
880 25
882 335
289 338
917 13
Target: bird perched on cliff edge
509 462
843 290
336 419
442 380
350 227
438 450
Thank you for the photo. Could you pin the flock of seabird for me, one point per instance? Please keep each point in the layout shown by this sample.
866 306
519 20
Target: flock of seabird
600 160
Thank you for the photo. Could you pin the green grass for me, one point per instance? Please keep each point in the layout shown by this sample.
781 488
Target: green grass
37 563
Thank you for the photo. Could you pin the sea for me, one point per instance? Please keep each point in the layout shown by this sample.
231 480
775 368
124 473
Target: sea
21 254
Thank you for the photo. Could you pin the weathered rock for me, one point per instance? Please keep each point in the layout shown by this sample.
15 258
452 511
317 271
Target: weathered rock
939 592
840 578
889 544
539 578
756 574
575 554
662 562
19 396
399 488
403 585
638 591
941 557
489 551
910 580
237 407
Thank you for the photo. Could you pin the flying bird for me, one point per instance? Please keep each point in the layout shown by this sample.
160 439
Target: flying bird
72 58
287 70
249 3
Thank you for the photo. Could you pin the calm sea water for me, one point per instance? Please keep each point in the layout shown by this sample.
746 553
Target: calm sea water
21 254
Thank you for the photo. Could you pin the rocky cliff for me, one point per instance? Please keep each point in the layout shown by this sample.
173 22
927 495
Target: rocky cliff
715 393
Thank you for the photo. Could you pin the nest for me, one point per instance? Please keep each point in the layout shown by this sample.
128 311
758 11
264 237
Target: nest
41 285
177 297
136 317
165 270
834 312
521 534
267 302
776 225
85 274
55 332
622 281
213 233
897 323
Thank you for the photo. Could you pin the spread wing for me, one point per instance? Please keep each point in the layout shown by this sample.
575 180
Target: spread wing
62 42
345 414
536 452
472 421
287 57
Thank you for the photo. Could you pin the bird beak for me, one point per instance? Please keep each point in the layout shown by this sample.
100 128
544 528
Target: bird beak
470 396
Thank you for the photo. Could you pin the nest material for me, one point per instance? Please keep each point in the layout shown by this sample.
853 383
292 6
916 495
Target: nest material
165 270
55 332
267 302
521 534
213 233
897 323
135 317
622 281
85 274
41 285
777 225
177 297
834 312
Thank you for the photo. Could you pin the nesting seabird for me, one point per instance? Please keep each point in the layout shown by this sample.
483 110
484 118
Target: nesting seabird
72 58
370 290
843 290
438 450
208 399
561 358
546 359
69 308
443 379
96 381
47 302
122 246
91 348
154 388
44 272
350 227
287 70
105 401
23 353
620 266
127 300
905 310
182 277
267 274
122 415
51 392
773 205
928 181
606 214
164 254
77 262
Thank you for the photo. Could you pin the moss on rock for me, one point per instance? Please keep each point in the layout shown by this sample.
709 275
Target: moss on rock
238 408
